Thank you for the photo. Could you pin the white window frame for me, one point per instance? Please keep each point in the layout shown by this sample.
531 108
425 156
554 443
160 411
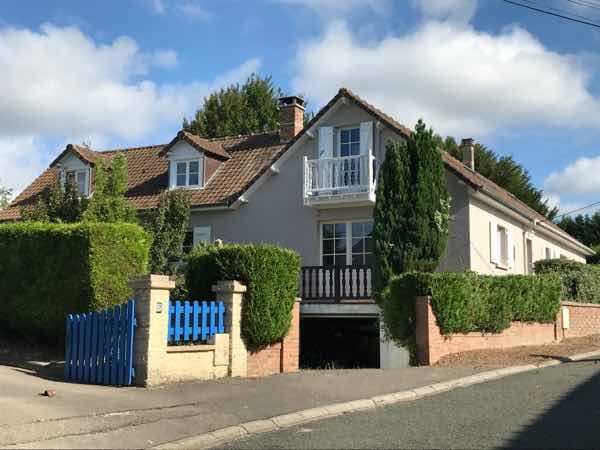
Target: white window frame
348 224
173 173
86 180
339 139
503 246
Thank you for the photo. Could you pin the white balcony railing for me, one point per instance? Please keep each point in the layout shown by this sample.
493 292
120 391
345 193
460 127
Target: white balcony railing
340 176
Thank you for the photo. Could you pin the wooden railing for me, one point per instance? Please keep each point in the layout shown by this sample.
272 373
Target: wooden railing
335 283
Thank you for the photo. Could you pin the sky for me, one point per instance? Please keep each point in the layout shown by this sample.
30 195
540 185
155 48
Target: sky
121 73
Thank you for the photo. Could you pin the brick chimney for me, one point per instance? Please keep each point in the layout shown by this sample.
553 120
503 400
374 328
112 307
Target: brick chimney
468 153
291 117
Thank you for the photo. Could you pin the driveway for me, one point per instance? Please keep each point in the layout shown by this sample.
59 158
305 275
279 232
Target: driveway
555 407
83 416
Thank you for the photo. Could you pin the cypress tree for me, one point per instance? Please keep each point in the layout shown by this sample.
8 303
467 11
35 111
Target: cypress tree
412 208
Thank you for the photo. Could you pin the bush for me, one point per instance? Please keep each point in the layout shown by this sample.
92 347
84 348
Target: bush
464 302
50 270
581 282
271 274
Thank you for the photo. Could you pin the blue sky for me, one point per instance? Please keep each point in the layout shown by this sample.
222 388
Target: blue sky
124 73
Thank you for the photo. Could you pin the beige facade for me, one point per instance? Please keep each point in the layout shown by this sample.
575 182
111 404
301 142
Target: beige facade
484 214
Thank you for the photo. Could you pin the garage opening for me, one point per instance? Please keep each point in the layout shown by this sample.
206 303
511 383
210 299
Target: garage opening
339 343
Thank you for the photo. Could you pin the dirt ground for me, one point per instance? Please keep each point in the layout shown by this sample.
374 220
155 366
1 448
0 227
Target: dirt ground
521 355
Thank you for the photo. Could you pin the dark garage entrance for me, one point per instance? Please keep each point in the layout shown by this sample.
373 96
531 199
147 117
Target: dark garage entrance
339 343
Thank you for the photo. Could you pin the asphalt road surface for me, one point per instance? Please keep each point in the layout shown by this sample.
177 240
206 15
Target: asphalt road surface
556 407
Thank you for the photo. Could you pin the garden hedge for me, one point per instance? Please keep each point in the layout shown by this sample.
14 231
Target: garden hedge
271 275
464 302
49 270
581 282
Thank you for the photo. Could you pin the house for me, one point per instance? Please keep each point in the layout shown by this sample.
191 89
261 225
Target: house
313 189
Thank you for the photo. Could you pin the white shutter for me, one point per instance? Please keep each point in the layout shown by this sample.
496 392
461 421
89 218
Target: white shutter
510 250
326 142
493 241
366 138
201 235
554 254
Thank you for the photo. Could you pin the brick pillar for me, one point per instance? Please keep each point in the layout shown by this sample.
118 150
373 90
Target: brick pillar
231 293
422 323
151 294
290 347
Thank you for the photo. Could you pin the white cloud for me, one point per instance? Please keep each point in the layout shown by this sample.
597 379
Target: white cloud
166 59
158 6
580 177
21 161
460 80
453 10
65 86
328 8
192 9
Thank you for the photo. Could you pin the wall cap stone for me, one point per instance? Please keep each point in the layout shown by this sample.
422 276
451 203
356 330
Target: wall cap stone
155 282
581 305
229 286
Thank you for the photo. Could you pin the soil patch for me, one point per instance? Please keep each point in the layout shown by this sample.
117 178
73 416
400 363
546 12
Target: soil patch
521 355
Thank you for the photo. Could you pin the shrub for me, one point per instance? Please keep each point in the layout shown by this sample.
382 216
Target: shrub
581 282
464 302
271 274
50 270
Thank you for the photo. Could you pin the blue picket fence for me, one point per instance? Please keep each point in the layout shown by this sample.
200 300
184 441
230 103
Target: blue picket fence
195 321
99 346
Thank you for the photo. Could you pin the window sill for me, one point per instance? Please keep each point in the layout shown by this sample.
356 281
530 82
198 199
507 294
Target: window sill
501 267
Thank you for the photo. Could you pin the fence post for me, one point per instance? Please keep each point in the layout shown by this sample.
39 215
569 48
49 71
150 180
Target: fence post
151 294
231 293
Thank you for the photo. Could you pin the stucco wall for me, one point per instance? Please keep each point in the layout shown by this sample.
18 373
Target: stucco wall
479 219
275 213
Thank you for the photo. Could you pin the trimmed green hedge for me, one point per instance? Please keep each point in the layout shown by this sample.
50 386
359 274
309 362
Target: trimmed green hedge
50 270
464 302
271 274
581 282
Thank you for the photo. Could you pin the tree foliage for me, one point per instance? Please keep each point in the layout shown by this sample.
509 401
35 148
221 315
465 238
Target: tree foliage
168 226
249 108
412 208
585 228
5 195
57 204
108 204
505 172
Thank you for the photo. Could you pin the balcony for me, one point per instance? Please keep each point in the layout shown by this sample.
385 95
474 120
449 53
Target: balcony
335 284
340 181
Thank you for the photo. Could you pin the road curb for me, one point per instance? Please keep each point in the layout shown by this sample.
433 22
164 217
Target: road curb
247 429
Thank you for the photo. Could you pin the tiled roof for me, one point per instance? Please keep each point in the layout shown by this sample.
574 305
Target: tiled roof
244 159
248 157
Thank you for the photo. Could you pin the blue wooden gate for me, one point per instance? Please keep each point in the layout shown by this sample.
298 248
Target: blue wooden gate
99 346
196 321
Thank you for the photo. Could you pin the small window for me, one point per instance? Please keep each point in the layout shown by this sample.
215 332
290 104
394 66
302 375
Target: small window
188 173
349 141
334 244
78 178
548 253
503 245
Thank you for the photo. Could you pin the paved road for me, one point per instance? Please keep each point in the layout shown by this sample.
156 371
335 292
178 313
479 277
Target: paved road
557 407
84 416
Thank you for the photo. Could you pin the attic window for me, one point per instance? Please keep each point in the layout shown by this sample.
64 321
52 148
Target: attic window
79 179
187 173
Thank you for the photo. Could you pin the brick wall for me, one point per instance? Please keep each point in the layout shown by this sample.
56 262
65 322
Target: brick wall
281 357
584 319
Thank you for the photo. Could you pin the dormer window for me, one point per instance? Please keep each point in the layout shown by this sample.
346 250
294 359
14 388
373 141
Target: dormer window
187 173
79 179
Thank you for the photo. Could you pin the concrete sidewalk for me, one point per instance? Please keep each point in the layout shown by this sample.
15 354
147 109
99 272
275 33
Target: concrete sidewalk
82 416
